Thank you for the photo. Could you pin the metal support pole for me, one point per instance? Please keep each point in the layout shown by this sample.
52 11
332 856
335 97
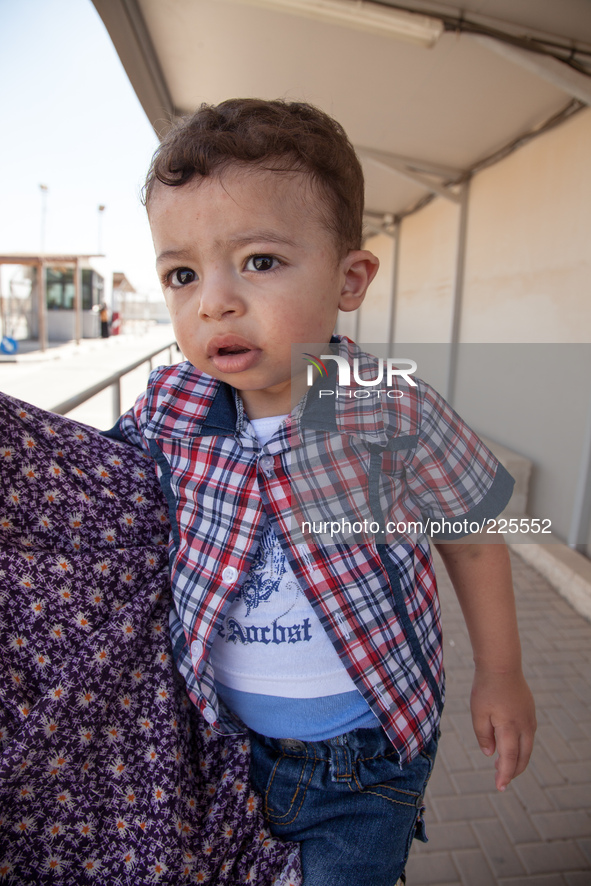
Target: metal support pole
394 282
580 527
116 400
458 293
77 303
41 307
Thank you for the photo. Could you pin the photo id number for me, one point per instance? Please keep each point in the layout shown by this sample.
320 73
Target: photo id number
513 525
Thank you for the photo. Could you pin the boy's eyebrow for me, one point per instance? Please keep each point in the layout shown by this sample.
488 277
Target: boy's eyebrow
260 236
176 254
241 240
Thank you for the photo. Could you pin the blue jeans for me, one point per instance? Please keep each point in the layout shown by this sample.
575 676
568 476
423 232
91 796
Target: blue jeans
346 800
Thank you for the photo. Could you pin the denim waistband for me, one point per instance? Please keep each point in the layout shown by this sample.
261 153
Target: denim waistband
357 744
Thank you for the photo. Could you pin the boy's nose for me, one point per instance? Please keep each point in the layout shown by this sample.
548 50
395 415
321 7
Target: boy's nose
219 297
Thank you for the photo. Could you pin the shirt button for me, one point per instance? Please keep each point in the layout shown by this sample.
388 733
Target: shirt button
196 651
229 574
267 463
209 714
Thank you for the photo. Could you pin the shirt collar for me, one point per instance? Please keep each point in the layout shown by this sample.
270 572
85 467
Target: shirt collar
186 403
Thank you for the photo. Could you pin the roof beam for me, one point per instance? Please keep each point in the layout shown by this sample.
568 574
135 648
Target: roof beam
130 36
412 163
408 169
554 71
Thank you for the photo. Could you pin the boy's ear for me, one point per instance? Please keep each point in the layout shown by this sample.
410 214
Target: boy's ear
359 267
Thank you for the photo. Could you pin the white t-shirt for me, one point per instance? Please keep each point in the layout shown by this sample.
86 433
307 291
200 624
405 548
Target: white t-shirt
272 650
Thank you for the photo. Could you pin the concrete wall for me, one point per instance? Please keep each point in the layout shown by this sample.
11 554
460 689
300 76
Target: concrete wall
426 274
527 281
528 268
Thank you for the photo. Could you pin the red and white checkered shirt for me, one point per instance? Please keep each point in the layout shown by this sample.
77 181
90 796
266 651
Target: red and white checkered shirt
406 459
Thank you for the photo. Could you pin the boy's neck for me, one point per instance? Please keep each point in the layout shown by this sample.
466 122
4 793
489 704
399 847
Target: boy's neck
278 401
264 404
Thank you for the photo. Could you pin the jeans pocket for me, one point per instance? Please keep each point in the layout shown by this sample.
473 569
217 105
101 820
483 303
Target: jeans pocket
402 789
404 785
282 780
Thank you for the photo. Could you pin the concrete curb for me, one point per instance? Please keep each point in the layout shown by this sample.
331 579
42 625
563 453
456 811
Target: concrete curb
567 571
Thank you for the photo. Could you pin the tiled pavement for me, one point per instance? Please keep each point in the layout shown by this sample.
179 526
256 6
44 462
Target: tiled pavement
538 832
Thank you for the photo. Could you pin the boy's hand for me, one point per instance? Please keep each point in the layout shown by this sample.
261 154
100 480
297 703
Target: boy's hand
502 704
504 719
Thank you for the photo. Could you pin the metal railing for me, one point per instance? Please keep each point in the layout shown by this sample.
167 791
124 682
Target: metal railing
113 381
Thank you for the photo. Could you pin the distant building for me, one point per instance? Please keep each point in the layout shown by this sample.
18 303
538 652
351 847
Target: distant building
60 302
121 287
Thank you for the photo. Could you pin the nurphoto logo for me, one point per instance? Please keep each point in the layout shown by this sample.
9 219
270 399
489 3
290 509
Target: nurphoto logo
386 370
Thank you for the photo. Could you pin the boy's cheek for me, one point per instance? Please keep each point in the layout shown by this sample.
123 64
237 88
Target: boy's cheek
179 315
183 334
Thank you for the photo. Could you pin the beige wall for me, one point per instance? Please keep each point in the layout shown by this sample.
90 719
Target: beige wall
426 273
528 262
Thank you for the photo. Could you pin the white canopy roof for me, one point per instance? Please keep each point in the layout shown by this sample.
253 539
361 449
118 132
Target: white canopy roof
421 118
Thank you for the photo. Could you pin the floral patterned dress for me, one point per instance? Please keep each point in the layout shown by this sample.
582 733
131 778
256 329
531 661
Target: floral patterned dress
107 773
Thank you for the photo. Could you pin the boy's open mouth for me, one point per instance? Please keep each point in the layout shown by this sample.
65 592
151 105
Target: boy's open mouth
233 350
232 353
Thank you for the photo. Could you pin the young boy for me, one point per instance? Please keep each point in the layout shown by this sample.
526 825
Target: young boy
329 653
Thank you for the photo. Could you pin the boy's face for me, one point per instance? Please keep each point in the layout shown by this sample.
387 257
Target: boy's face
247 268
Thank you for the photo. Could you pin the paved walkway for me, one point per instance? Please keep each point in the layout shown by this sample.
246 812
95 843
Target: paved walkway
538 832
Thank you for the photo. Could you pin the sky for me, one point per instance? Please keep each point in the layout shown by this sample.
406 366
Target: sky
70 120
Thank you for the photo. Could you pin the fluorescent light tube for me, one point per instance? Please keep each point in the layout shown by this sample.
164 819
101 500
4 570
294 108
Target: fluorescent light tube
420 29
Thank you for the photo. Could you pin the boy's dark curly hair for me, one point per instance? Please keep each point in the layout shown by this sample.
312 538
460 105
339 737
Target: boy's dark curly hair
276 135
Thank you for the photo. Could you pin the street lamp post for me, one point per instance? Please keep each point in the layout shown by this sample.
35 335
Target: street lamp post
41 308
44 190
101 209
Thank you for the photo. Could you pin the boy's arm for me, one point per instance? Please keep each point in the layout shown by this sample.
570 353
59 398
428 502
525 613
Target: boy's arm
503 713
127 429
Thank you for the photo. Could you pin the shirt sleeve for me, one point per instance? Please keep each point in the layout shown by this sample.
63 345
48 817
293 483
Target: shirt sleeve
452 475
127 427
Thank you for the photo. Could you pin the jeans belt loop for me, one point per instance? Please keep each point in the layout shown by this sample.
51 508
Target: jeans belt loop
341 764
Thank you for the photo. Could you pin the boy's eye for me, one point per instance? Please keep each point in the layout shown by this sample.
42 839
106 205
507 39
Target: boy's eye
261 263
182 276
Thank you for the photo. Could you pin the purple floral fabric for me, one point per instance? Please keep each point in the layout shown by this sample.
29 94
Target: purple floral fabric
107 773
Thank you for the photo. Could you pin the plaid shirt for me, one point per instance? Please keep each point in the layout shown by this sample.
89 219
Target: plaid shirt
411 457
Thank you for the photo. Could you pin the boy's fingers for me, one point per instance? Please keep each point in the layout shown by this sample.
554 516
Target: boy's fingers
485 735
508 764
526 746
515 749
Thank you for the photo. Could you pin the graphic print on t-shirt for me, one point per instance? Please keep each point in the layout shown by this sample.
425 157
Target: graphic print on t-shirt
272 642
269 596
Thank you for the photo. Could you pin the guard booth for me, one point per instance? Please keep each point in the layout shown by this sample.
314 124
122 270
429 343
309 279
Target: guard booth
54 298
